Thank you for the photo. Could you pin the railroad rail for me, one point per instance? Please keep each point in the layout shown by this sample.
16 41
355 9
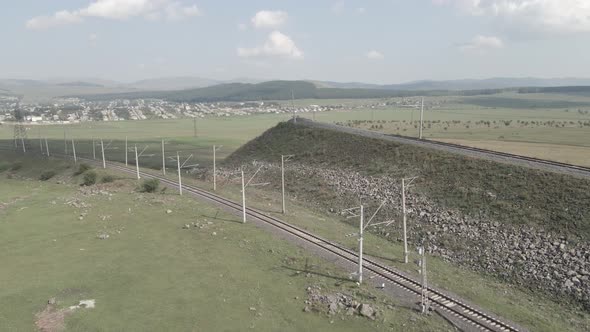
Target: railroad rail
476 318
452 147
439 300
498 153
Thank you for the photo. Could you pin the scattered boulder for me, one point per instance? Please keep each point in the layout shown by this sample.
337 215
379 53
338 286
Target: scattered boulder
524 255
367 311
337 303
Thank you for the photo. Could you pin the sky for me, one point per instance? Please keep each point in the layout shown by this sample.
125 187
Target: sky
373 41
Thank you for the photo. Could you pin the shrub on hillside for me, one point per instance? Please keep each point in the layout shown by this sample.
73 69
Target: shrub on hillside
16 166
150 185
47 175
107 179
4 167
89 178
82 169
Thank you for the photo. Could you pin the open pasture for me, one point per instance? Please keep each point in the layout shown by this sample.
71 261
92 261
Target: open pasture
531 123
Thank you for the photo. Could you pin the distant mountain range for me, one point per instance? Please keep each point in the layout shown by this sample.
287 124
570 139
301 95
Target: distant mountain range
214 89
190 82
465 84
154 84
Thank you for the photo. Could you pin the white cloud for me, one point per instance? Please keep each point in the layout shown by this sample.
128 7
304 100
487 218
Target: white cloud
375 55
242 27
554 16
117 10
361 10
175 11
60 18
277 44
337 8
92 37
482 44
269 19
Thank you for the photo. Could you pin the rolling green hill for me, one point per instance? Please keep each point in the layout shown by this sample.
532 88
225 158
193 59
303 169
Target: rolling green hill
273 90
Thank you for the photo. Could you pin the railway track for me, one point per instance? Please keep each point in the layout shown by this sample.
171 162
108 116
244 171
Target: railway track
475 318
470 316
495 155
500 154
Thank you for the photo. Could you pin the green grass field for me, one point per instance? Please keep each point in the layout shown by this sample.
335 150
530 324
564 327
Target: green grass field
153 275
541 125
533 311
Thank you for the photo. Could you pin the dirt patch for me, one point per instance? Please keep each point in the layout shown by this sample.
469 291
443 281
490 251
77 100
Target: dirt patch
337 303
51 319
4 205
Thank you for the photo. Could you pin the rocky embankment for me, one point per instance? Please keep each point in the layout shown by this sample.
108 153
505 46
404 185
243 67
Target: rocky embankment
525 255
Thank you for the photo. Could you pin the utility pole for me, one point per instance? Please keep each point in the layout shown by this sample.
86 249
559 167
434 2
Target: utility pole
244 186
421 117
404 186
215 148
179 175
293 106
361 228
404 220
136 162
180 166
283 179
47 147
93 149
126 152
163 158
243 199
74 151
424 296
22 139
214 170
104 163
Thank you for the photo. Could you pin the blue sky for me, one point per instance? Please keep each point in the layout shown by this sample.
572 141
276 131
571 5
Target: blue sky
378 41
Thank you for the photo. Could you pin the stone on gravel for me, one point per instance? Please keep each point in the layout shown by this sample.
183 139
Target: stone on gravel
367 311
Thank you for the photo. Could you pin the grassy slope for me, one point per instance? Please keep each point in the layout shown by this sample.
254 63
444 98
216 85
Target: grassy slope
531 310
153 275
524 196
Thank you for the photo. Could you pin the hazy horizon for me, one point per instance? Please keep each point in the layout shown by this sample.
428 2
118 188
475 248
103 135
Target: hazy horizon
73 79
343 41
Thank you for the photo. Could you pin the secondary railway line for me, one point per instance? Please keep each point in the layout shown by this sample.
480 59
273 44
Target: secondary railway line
470 316
501 154
461 149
